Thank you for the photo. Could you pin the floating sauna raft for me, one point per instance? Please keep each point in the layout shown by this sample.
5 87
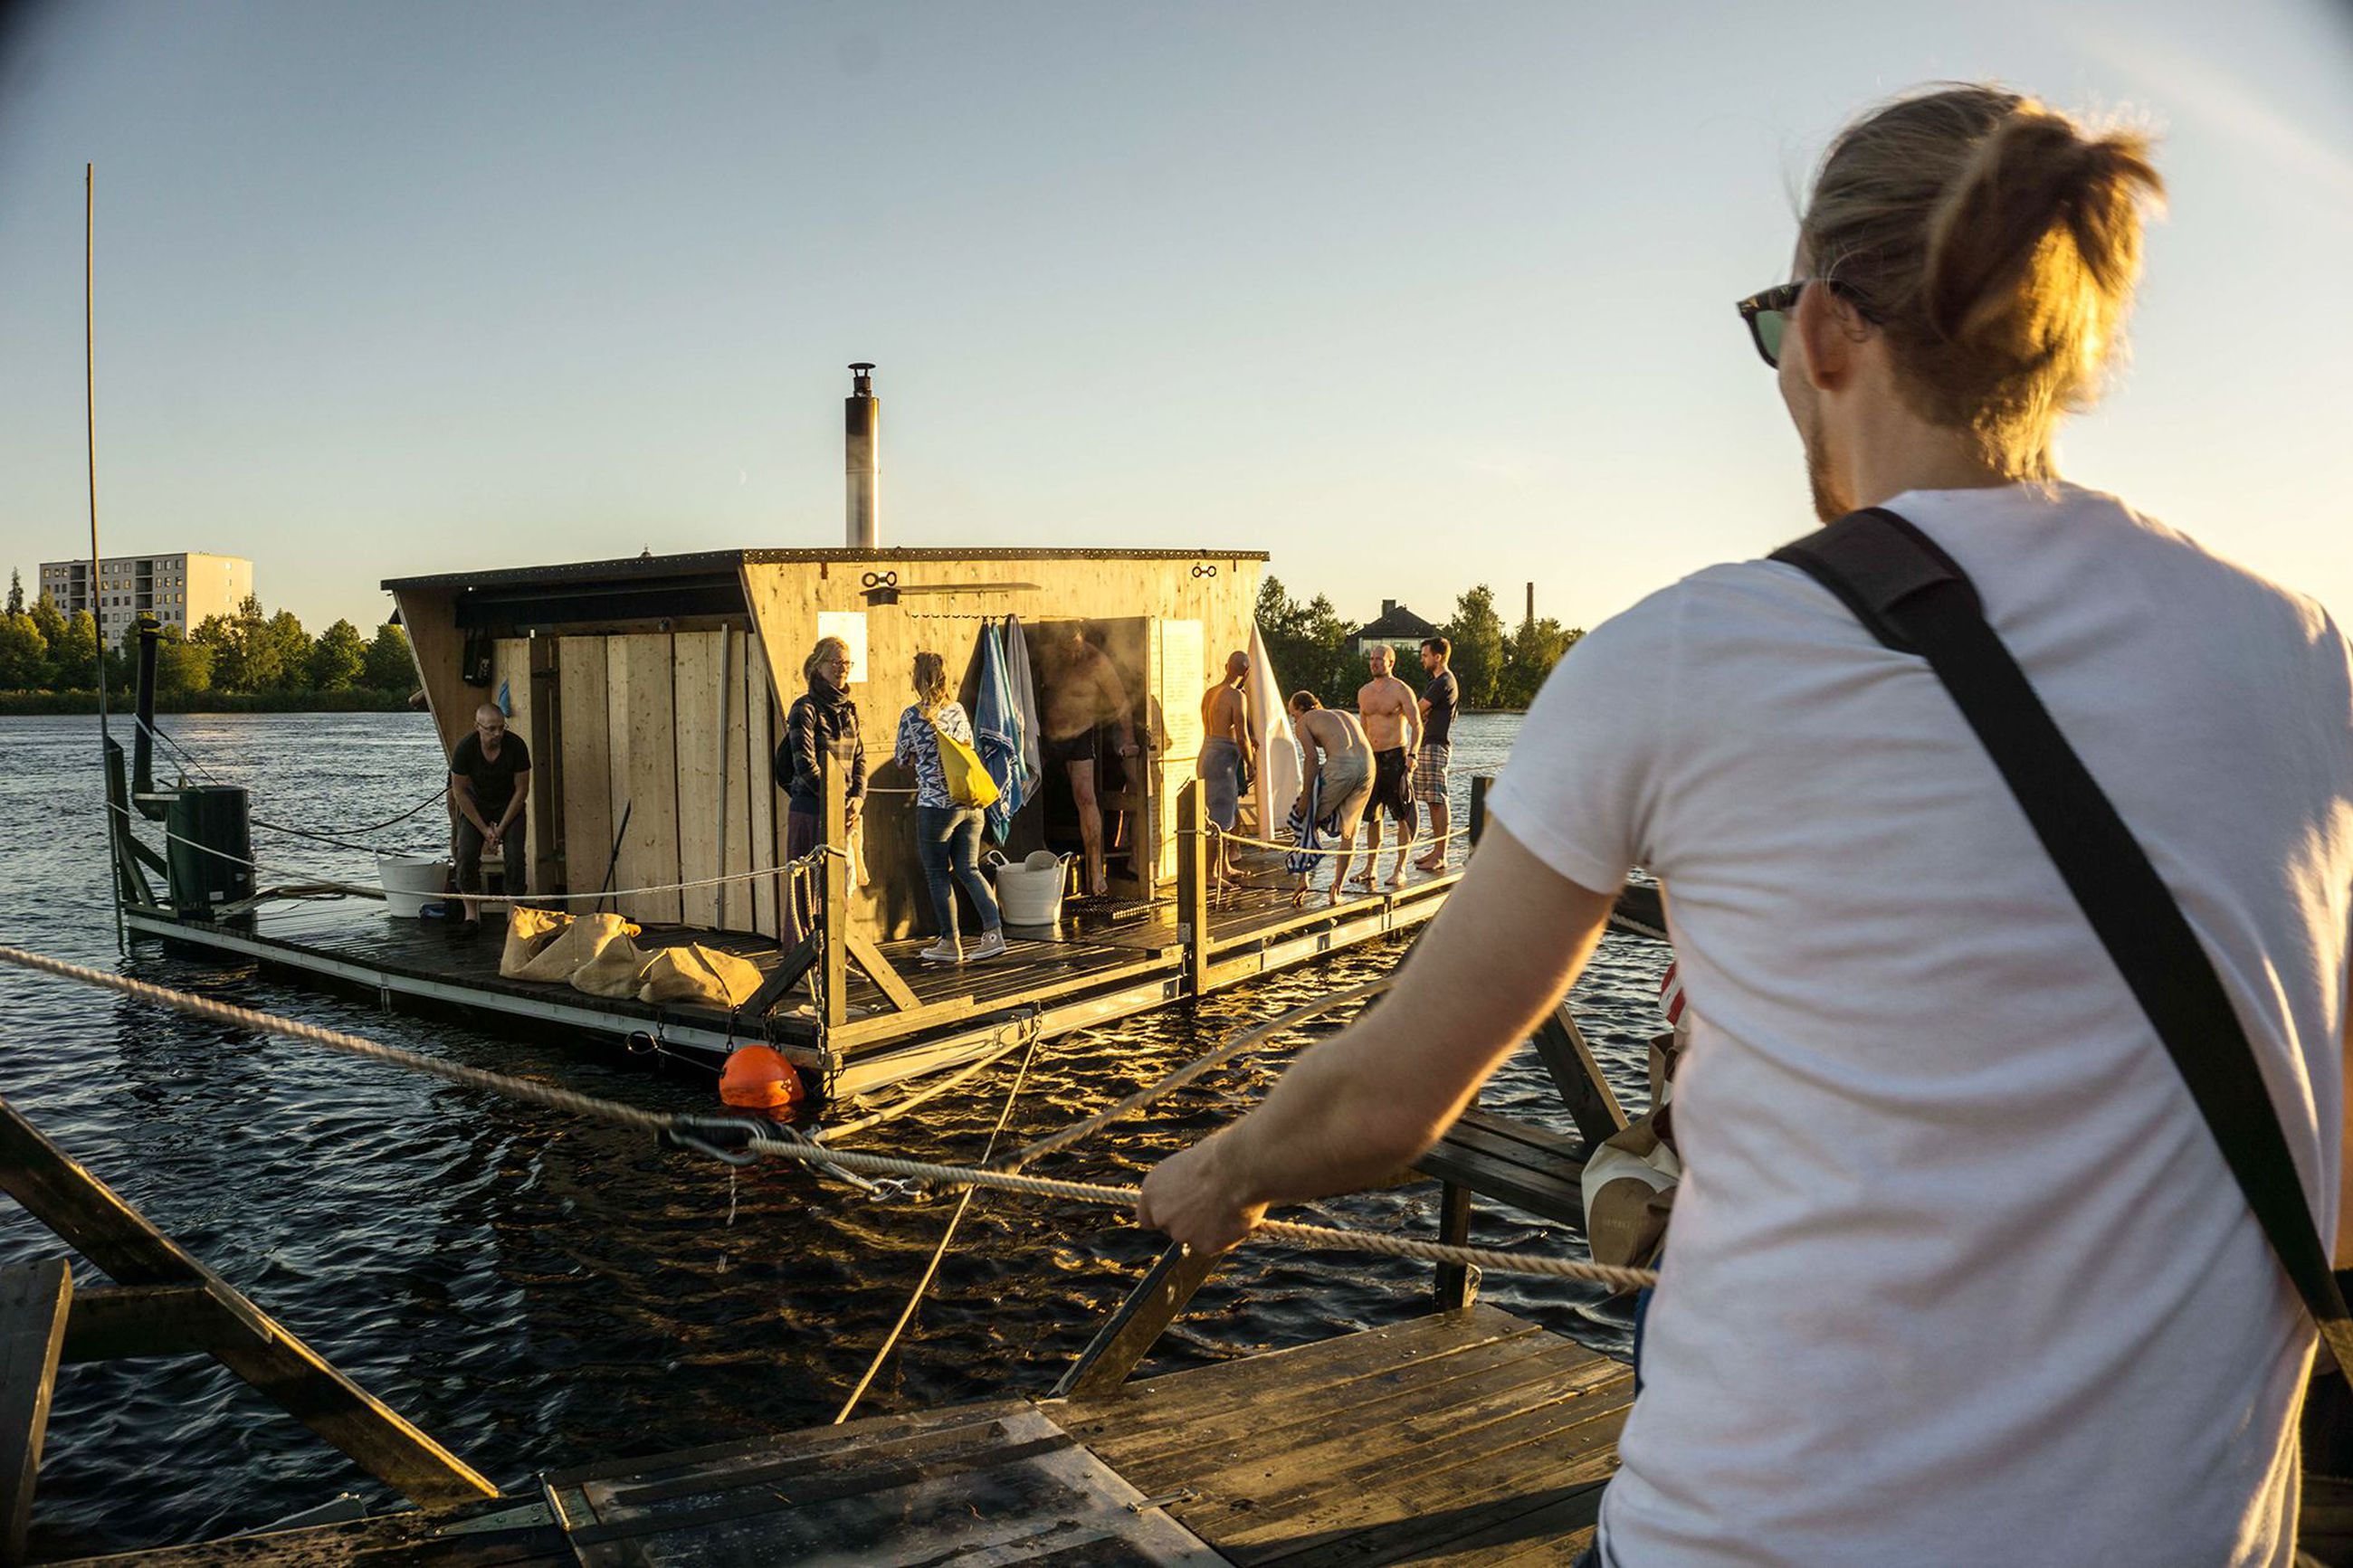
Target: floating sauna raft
651 692
1467 1436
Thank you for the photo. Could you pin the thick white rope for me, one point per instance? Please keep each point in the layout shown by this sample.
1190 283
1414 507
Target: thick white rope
755 1140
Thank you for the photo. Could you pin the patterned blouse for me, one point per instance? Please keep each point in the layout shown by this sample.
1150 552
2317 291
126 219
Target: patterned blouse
919 748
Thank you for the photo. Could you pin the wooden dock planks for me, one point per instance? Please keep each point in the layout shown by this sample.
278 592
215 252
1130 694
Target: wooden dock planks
998 1483
1468 1437
1463 1438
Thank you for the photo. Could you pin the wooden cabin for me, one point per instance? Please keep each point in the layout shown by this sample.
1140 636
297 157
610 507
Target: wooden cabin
653 689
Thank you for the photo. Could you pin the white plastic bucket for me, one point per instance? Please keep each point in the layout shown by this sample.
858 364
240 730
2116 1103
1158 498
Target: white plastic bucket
1031 894
411 882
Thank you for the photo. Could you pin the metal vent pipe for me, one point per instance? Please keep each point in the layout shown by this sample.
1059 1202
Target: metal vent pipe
862 458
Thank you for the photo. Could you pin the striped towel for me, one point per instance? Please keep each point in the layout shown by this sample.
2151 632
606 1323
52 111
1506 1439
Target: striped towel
1306 835
1671 994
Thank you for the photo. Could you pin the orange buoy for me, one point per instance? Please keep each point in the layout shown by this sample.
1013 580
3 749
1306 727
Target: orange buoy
757 1079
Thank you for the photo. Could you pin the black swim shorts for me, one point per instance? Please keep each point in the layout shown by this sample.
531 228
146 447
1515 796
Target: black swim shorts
1391 785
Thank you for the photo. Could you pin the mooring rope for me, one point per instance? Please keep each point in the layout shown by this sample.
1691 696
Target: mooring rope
705 1132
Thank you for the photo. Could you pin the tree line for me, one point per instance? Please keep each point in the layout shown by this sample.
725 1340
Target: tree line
1497 668
252 653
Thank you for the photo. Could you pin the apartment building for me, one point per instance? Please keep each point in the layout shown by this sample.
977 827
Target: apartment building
178 590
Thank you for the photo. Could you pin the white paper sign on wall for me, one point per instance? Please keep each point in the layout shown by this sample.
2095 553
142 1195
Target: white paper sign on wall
849 625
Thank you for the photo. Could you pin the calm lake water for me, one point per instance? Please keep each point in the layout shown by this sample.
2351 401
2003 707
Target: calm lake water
536 1292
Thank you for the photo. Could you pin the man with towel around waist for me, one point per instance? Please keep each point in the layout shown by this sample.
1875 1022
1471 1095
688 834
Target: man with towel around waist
1226 739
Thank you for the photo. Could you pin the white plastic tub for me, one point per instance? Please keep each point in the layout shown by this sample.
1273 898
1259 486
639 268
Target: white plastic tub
1030 893
411 882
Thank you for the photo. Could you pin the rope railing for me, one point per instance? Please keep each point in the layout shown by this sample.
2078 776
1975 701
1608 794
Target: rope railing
813 858
723 1136
1215 833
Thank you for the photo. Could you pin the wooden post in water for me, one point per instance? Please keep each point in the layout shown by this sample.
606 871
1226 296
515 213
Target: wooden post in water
833 903
1479 785
33 1303
1193 884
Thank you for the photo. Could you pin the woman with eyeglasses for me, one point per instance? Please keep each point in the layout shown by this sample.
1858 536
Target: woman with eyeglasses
947 835
820 733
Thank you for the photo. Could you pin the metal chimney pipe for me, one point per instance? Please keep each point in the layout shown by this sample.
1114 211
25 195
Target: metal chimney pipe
1532 604
862 458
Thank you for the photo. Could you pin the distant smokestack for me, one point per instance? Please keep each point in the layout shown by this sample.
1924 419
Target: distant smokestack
1532 604
862 458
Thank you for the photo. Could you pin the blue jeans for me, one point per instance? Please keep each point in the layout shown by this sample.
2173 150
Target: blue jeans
947 840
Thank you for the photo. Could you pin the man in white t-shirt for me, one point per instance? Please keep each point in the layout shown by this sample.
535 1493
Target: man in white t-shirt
1956 1273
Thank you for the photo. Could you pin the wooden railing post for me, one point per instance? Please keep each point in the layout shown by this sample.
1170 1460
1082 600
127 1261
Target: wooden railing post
1193 884
1479 785
833 903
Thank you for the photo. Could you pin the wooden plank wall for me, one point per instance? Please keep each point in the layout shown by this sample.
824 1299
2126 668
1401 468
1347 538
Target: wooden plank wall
786 597
587 764
642 743
511 670
767 804
676 727
697 659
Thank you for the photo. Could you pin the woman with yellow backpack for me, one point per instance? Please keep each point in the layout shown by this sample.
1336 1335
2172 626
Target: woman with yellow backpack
952 790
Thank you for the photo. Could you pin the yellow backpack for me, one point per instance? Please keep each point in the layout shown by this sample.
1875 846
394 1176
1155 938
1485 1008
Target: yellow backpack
968 780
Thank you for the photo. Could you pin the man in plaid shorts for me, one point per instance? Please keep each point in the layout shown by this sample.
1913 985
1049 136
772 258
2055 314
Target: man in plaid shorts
1440 699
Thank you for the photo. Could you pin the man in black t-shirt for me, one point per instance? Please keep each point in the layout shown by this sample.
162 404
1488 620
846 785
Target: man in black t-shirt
1440 699
490 780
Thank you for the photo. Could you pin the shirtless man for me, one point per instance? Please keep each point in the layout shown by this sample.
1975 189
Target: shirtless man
1392 717
1338 767
1227 738
1082 694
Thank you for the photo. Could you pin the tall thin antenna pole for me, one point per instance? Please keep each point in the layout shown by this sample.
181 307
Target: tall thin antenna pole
98 624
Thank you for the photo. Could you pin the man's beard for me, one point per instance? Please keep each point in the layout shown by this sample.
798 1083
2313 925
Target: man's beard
1830 501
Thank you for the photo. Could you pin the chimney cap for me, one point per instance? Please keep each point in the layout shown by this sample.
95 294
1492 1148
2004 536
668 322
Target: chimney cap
862 364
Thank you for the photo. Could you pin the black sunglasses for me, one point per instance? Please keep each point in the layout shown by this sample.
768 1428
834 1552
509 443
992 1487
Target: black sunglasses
1768 314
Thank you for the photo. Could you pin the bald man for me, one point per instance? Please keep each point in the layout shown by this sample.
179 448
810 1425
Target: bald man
490 779
1226 739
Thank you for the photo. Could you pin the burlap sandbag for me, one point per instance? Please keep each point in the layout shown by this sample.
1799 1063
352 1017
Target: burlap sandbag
576 944
703 976
617 971
528 931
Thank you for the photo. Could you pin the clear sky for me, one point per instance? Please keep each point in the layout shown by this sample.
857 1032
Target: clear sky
1412 296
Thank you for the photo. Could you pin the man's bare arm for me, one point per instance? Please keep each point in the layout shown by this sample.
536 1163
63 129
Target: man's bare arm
1364 1105
1413 711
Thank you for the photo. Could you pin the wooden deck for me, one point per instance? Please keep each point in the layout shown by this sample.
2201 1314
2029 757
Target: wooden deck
1465 1437
1103 962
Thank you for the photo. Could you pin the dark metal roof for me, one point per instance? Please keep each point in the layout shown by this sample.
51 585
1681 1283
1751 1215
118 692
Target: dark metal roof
1396 622
650 569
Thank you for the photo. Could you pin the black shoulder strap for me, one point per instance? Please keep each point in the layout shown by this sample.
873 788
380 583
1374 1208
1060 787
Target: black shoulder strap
1915 599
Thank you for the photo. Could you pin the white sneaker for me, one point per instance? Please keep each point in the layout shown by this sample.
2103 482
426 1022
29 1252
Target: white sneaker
942 952
990 945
